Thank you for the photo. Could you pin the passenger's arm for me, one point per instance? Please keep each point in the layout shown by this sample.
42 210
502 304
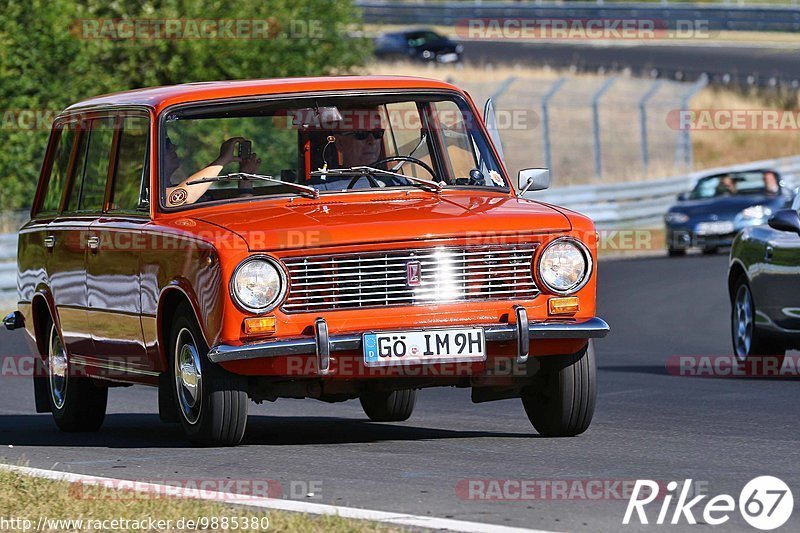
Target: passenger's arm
183 193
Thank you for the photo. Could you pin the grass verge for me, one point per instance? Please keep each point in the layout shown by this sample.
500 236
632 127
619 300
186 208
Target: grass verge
51 504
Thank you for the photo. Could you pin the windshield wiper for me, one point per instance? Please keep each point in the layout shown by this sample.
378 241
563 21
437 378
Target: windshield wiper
310 192
362 170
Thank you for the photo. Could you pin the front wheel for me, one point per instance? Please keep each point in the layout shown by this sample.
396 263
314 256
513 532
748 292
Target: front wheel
212 403
395 406
76 403
747 340
561 397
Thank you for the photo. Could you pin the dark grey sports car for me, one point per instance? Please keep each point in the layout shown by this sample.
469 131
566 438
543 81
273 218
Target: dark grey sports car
764 286
720 206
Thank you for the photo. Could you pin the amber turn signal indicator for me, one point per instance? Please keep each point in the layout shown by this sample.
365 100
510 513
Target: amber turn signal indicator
261 325
563 306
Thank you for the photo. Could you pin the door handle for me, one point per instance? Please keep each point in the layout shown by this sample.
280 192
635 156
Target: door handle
768 253
93 243
50 242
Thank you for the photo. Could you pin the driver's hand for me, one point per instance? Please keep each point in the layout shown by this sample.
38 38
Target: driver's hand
226 151
250 164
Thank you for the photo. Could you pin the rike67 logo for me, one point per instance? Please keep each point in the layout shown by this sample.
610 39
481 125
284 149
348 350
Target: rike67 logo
765 503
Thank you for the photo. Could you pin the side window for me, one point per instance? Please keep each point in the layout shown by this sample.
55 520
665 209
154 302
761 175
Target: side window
89 187
126 192
58 172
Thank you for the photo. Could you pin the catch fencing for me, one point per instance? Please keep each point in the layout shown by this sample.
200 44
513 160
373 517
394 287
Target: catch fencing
720 16
643 204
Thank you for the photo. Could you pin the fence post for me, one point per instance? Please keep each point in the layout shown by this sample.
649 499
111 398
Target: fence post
643 123
598 156
502 88
548 163
683 150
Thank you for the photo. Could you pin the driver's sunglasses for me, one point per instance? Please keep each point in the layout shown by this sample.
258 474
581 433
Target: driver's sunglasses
362 135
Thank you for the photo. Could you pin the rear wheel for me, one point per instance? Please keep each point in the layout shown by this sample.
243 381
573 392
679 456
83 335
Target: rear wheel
748 341
710 250
395 406
561 397
676 252
76 403
212 403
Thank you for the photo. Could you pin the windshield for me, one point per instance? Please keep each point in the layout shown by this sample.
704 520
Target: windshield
736 184
431 138
421 38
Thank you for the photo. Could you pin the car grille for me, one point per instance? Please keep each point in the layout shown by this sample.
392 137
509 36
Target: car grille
446 274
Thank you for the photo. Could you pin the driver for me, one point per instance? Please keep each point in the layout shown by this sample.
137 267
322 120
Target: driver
359 137
183 193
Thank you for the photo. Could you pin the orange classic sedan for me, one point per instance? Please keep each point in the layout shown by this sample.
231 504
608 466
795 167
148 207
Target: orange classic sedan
330 238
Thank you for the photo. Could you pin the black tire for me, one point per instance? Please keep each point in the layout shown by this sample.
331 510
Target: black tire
395 406
167 406
218 416
561 397
676 252
711 250
759 344
76 403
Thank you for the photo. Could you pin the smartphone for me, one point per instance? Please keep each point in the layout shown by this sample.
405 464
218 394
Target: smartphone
245 149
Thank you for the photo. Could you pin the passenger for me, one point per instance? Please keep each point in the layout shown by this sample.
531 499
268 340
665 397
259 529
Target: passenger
726 186
771 184
183 193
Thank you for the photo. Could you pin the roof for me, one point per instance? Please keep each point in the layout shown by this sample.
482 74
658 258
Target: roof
159 97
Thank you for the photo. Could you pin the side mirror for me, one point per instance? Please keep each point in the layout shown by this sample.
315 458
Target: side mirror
785 220
683 196
533 179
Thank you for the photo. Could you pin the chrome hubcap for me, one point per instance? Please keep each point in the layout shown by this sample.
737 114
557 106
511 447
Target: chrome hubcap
743 322
188 376
57 368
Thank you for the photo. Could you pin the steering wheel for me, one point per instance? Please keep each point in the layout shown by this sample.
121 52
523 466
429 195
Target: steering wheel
408 159
372 181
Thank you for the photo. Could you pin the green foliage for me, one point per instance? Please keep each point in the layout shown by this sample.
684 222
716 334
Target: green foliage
55 52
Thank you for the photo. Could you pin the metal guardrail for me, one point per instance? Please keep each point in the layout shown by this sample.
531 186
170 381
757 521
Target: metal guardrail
644 203
609 205
716 16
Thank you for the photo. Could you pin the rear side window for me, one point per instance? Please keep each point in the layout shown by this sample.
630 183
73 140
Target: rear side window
89 186
54 184
127 193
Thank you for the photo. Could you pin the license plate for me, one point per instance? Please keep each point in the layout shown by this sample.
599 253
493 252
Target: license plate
424 346
447 58
714 228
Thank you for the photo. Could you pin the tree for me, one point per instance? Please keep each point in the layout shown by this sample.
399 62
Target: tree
55 52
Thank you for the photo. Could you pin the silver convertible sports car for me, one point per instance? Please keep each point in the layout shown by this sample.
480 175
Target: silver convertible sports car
764 286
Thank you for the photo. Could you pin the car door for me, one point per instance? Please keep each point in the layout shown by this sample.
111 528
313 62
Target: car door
776 280
65 247
114 251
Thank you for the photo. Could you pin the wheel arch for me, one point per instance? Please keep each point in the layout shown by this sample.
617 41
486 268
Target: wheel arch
172 296
43 309
735 271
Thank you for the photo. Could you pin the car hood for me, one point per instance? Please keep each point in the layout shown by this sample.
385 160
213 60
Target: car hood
724 206
373 218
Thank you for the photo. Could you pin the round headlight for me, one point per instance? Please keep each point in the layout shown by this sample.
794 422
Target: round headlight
565 266
258 284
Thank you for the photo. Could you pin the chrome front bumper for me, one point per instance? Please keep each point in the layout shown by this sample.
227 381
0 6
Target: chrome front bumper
322 344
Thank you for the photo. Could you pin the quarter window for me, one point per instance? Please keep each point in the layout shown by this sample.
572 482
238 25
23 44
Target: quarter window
58 172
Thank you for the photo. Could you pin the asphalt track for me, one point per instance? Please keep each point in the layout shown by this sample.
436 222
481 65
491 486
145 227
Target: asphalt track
738 62
649 424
